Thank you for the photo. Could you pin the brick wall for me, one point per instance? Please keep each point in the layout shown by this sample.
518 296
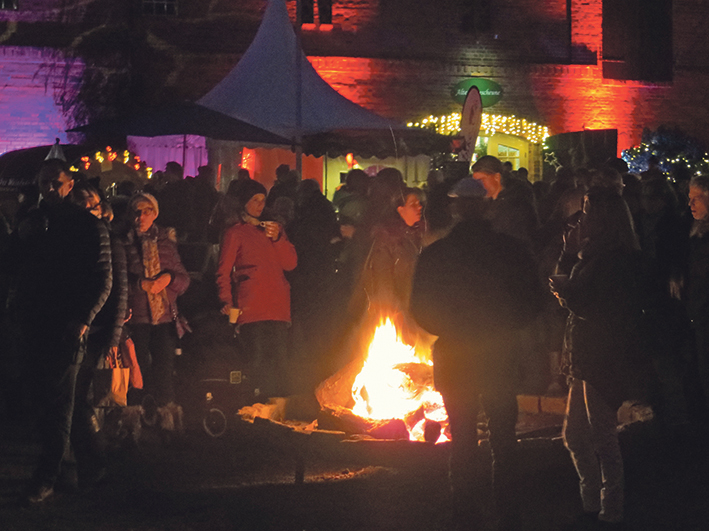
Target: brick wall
399 58
28 113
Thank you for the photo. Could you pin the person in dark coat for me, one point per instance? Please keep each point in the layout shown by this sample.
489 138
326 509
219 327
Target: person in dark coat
156 277
602 344
62 260
696 298
476 289
104 334
286 185
511 210
314 233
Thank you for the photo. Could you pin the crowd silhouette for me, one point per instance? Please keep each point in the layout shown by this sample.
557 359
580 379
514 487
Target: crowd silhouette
624 317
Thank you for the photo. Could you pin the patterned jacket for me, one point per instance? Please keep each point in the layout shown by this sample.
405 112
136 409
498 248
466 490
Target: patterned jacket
170 262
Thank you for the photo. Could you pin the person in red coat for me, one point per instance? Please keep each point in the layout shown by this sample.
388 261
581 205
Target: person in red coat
250 278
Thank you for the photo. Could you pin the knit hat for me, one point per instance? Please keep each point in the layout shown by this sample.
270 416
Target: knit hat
247 189
143 197
467 188
487 164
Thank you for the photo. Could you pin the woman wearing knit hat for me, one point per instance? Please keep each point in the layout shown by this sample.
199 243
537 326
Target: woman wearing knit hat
156 277
250 278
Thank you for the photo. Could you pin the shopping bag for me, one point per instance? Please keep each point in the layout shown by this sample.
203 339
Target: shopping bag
126 349
119 386
111 382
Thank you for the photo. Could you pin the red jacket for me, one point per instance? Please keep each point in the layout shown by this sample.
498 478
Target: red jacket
254 265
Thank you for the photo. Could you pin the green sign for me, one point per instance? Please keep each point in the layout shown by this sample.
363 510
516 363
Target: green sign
490 92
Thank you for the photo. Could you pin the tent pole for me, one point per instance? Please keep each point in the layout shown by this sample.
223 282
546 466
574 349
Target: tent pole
184 151
298 90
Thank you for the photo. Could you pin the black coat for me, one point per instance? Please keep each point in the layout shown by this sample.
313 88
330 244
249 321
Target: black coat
602 338
474 289
697 282
107 327
62 259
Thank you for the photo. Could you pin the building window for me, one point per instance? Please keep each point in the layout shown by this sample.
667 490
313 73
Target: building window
8 5
324 11
160 7
637 40
506 153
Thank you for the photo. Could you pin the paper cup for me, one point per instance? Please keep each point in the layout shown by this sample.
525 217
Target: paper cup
234 315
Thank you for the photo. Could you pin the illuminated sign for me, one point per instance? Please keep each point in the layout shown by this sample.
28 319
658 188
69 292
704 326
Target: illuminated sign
490 92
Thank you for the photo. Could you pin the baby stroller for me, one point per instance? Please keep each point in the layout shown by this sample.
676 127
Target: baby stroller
215 373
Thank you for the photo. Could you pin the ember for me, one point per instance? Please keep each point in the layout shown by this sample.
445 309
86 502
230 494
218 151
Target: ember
396 382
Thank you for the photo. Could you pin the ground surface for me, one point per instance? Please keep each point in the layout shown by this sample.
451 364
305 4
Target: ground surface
246 481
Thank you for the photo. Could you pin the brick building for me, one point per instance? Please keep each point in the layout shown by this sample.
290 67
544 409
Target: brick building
570 65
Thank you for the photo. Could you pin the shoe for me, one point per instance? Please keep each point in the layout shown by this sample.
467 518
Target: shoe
40 494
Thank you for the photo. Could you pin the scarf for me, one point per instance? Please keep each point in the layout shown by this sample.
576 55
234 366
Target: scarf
700 227
158 302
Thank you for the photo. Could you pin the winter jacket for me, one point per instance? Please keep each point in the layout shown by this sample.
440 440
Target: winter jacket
474 288
170 262
107 327
61 255
389 268
602 339
250 273
697 284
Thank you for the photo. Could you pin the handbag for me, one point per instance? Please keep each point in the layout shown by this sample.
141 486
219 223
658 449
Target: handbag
111 382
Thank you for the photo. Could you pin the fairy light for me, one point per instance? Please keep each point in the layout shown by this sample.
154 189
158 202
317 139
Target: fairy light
449 124
637 159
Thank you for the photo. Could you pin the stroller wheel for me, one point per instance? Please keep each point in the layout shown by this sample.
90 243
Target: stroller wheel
214 422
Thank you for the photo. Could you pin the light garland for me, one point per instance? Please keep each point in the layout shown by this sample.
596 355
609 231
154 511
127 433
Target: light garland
449 124
106 158
637 159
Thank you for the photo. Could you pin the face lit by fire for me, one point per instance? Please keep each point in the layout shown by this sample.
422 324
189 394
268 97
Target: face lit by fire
55 189
411 210
254 206
145 216
92 202
491 181
698 202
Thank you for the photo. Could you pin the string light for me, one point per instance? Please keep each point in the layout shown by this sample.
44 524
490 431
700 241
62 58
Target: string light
637 159
449 124
108 154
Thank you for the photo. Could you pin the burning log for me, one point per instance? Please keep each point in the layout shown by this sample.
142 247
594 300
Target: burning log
393 381
431 431
340 418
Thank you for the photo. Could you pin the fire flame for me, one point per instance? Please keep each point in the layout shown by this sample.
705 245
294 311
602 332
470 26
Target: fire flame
396 383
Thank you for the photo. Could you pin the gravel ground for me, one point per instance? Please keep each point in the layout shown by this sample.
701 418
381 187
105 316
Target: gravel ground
246 481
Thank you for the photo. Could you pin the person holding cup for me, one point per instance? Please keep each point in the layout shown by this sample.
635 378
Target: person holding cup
254 291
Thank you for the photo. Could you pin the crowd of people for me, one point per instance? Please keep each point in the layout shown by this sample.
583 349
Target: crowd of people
595 285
